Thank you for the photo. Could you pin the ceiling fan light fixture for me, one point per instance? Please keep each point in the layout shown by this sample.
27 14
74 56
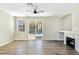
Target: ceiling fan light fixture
35 8
35 12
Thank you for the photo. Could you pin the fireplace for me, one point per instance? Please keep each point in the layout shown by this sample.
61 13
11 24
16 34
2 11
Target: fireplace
70 42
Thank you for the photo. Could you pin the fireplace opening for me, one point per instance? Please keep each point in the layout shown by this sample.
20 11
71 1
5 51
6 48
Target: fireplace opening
70 42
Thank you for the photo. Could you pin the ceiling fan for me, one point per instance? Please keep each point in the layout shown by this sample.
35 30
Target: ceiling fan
35 8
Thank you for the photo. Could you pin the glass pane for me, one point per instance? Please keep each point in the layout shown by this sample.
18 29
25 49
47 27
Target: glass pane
21 25
39 28
32 28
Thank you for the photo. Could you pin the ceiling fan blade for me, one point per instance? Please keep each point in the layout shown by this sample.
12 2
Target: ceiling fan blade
40 11
28 10
35 8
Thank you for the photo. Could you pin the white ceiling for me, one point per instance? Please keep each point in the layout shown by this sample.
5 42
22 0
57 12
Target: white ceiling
51 9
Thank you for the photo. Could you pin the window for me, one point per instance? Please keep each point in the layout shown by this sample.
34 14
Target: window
20 26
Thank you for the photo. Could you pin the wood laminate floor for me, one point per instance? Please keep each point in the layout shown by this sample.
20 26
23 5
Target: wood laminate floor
37 47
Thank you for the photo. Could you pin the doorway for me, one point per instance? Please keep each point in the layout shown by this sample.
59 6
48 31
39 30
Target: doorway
35 31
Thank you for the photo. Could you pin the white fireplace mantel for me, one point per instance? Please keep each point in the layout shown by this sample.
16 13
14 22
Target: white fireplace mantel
74 35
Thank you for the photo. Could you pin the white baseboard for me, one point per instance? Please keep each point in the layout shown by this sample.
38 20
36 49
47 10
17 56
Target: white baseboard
4 43
20 39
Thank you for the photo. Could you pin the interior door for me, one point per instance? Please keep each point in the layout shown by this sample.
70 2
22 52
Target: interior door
35 30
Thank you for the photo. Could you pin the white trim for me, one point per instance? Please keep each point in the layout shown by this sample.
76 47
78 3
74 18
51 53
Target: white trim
35 27
4 43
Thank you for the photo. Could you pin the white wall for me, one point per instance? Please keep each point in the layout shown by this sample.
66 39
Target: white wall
75 19
67 22
6 28
66 25
52 27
